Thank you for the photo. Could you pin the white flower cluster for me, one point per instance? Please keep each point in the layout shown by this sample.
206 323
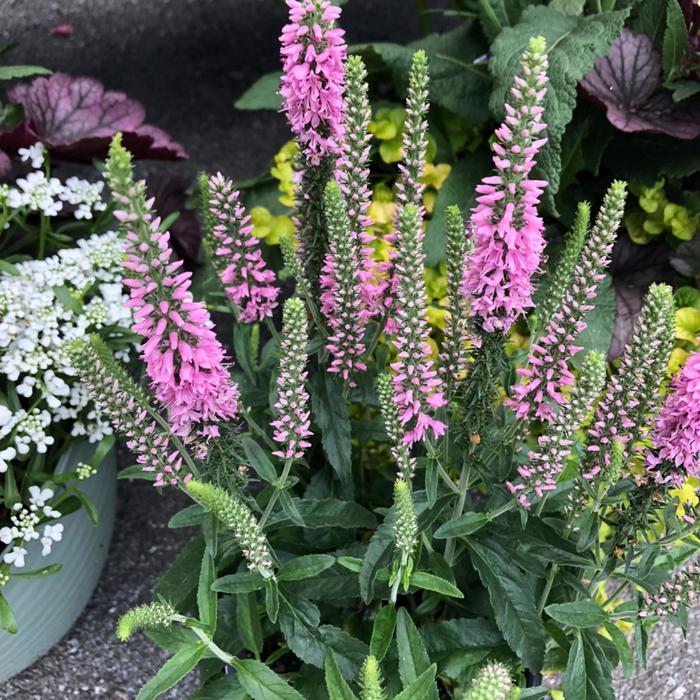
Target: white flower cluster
23 527
47 195
34 326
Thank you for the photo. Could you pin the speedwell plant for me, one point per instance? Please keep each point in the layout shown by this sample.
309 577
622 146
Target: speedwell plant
384 514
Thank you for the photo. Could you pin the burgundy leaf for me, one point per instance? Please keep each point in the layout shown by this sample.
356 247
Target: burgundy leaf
76 118
5 164
627 82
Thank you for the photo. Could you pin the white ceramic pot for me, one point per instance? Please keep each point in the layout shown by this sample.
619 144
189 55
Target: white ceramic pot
46 608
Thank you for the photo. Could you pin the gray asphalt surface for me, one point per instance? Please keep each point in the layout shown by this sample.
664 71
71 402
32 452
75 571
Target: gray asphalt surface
187 61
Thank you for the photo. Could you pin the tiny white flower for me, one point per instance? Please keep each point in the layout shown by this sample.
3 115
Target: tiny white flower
16 557
52 533
38 496
8 534
34 153
6 455
50 512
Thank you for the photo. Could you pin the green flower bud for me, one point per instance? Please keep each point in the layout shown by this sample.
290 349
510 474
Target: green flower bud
144 616
371 680
492 683
405 526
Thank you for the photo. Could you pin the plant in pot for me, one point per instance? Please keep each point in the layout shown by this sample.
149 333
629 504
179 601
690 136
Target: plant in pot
60 279
386 510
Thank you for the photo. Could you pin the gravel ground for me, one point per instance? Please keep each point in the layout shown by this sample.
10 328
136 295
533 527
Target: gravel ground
187 61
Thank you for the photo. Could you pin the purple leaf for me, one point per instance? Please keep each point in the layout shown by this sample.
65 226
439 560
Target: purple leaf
627 82
76 118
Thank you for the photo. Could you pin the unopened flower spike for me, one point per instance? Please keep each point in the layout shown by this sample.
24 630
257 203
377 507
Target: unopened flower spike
237 518
633 391
552 291
418 390
153 615
184 359
507 229
545 463
493 682
392 425
341 301
456 339
676 432
236 254
352 175
548 370
405 535
120 399
292 406
681 591
409 188
371 680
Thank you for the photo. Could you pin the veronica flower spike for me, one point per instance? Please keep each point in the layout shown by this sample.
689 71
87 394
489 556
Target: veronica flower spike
418 390
292 405
341 300
183 357
236 253
548 371
507 229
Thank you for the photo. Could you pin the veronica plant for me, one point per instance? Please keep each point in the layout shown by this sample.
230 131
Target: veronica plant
361 537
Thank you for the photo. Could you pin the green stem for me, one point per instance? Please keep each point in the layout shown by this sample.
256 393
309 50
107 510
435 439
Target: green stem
499 511
276 492
273 331
43 231
423 21
213 647
615 594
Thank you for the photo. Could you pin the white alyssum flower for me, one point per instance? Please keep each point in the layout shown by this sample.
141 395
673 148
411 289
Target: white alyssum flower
37 192
34 326
33 154
15 556
6 455
86 196
52 533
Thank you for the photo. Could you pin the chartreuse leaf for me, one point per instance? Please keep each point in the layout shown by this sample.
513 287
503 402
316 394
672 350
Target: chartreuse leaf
413 658
337 687
588 674
7 617
305 567
430 582
14 72
573 44
174 669
331 415
512 600
465 524
422 687
262 683
382 632
579 614
259 461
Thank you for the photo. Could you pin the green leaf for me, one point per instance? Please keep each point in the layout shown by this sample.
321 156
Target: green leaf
38 573
512 599
290 508
458 188
88 507
336 686
601 323
305 567
14 72
65 296
675 45
262 683
430 582
455 82
683 89
465 524
331 512
262 94
242 582
422 687
7 617
579 614
8 268
573 44
460 633
568 7
382 632
376 557
272 599
623 648
259 460
413 658
135 471
206 596
588 674
174 669
331 415
248 622
187 517
180 580
224 688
